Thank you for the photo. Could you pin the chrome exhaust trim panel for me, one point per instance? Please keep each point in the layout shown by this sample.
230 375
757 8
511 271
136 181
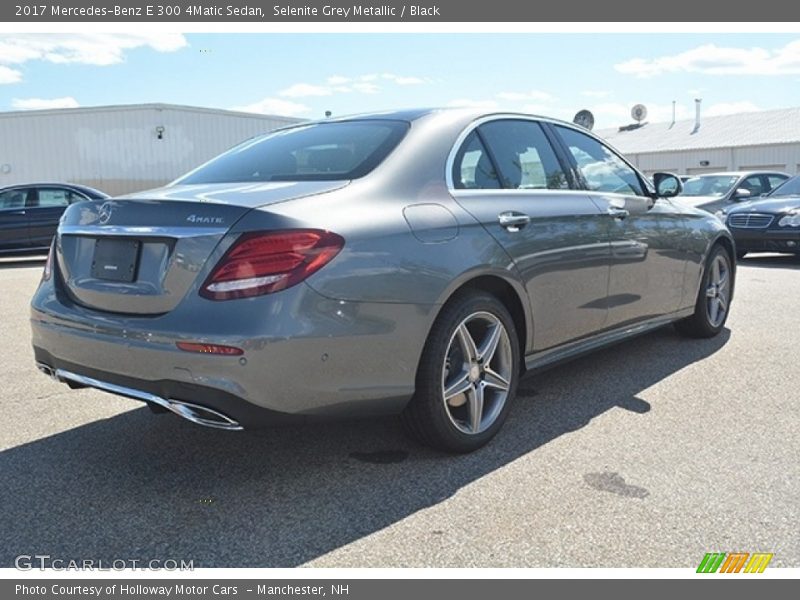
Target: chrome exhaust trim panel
199 415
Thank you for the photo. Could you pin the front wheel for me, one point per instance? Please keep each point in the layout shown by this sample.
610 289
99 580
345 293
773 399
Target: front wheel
467 376
713 299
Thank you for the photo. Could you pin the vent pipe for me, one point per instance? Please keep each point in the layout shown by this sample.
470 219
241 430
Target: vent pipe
697 102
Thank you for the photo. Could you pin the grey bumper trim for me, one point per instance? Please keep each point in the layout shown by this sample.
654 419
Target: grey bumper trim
199 415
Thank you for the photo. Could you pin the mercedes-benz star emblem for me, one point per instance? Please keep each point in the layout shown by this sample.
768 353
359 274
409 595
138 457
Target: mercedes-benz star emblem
104 212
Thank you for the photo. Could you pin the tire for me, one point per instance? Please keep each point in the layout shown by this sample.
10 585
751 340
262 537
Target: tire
718 278
467 325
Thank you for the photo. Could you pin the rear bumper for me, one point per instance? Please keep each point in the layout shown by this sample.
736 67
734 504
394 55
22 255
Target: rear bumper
304 355
767 240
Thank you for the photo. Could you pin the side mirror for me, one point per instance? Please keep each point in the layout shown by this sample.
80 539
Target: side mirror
667 185
741 194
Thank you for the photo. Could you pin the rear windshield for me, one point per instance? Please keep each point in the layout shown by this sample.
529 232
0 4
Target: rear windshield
791 187
324 151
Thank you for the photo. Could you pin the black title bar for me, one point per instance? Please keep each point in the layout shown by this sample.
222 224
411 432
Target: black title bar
338 11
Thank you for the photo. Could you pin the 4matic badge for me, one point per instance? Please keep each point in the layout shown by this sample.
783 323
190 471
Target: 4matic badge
204 220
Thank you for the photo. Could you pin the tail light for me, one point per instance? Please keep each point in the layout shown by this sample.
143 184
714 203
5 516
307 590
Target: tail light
48 264
266 262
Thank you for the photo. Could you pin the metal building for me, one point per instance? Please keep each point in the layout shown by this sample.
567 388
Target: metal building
120 149
766 140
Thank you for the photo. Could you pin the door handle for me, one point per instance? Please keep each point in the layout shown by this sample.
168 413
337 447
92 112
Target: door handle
17 212
618 213
513 221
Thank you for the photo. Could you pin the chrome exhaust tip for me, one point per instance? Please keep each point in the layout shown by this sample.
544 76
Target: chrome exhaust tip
200 415
47 370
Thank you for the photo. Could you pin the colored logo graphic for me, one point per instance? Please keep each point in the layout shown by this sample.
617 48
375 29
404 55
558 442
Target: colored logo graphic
734 562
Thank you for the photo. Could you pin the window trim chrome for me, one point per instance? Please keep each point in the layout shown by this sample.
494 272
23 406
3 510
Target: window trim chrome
473 125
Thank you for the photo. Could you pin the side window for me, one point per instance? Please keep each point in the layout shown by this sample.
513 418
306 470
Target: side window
775 180
11 199
76 197
753 185
52 197
524 156
473 169
601 168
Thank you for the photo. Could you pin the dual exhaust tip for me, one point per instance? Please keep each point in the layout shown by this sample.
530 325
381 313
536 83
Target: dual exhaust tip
199 415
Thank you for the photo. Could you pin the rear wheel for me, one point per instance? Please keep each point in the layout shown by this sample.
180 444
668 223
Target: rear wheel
467 376
713 299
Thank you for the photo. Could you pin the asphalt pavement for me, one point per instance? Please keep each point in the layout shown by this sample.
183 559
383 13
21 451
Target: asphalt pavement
648 454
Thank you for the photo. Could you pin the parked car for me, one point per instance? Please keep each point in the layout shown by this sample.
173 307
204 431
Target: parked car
716 191
769 224
29 213
413 262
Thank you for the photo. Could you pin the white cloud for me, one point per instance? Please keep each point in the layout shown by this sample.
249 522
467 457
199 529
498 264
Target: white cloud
366 88
9 75
599 94
711 59
84 48
401 80
338 80
370 83
469 103
44 103
275 106
304 90
532 96
730 108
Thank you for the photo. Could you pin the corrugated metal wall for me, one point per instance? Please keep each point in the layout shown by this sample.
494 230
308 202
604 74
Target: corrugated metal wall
117 149
778 157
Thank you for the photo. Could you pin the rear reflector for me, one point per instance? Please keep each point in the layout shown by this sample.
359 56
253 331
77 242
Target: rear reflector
209 348
266 262
48 265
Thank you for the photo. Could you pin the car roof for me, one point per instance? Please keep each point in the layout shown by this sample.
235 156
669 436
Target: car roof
468 114
739 173
72 186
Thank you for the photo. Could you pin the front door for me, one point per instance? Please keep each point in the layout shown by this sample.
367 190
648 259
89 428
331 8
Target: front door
646 235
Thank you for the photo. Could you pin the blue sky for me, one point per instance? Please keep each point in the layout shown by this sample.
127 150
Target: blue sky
304 75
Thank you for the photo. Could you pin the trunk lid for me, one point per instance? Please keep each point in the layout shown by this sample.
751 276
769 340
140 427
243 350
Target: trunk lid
141 254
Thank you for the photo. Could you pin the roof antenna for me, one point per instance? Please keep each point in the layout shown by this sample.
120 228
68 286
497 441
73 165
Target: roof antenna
673 115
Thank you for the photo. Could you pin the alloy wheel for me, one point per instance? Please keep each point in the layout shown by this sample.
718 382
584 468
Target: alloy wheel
718 290
477 373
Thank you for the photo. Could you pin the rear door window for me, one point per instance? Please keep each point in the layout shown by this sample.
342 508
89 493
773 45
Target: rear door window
524 156
473 168
52 197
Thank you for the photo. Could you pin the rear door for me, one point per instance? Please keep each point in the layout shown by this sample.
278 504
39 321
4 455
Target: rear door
14 219
45 207
648 249
508 176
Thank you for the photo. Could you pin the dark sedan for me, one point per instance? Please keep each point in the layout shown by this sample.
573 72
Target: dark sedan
769 224
29 213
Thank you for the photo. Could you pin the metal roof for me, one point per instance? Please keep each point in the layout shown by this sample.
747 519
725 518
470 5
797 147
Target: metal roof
146 106
780 126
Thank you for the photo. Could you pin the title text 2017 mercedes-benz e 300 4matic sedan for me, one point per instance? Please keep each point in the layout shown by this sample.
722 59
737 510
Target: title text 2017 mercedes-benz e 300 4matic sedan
412 262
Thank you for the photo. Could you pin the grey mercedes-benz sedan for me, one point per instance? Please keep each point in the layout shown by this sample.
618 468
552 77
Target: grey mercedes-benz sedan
413 262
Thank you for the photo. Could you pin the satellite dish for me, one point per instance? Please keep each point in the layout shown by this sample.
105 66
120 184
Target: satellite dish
584 118
639 113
